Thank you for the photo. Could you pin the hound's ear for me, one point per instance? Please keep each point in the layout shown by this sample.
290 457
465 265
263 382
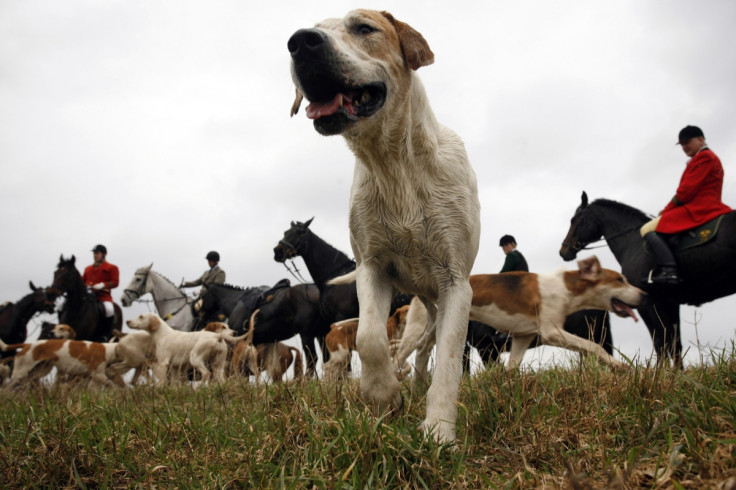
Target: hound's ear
413 45
154 323
590 268
297 103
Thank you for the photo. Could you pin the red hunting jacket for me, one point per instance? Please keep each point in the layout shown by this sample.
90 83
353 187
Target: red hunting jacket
698 197
104 272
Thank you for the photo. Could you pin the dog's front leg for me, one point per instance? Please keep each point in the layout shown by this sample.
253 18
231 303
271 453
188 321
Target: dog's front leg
451 326
379 386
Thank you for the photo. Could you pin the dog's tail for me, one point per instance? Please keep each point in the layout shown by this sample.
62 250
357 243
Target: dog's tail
248 337
298 364
5 347
348 278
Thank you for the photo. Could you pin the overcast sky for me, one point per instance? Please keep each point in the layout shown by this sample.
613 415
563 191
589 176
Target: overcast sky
162 129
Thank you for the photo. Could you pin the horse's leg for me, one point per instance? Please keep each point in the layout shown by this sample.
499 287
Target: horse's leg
663 321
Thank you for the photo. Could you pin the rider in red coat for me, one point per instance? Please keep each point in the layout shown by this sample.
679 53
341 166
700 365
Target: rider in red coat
101 277
697 201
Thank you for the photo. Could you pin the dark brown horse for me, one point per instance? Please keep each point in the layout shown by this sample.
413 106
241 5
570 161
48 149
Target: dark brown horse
325 262
14 317
284 311
707 270
81 309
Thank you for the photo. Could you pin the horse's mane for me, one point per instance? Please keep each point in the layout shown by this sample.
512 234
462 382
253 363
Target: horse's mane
625 208
231 287
159 275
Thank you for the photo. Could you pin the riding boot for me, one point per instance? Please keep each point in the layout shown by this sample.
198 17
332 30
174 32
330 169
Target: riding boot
666 270
108 323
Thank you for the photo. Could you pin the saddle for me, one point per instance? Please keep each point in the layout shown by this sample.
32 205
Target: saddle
267 295
695 236
259 296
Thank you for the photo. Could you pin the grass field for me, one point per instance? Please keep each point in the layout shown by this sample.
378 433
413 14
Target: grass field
576 426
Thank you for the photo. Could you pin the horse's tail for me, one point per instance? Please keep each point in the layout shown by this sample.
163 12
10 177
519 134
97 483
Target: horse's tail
298 364
348 278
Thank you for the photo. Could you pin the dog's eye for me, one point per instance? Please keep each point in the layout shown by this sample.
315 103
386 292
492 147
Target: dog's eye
365 29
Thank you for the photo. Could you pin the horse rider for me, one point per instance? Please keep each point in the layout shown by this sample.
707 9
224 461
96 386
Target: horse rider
213 275
101 277
514 260
697 201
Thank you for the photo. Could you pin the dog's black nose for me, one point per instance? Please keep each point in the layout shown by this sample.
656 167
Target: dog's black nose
305 41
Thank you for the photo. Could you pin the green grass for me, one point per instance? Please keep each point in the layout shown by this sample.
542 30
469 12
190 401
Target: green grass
576 426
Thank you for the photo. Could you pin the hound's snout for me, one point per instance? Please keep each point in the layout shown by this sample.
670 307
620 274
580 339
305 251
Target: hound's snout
305 42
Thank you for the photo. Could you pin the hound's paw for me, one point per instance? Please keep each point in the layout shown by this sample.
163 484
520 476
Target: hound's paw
441 431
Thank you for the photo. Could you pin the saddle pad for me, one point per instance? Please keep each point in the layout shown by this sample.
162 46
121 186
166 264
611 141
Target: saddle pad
697 236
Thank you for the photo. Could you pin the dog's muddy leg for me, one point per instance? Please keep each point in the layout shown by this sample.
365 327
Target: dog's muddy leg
451 326
379 386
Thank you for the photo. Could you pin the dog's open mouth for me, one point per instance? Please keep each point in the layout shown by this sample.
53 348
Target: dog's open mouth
622 309
351 102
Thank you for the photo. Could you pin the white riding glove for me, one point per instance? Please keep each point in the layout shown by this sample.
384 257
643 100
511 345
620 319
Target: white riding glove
99 286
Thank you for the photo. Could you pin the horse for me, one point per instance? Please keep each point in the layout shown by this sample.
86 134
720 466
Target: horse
707 270
14 317
81 310
325 262
220 300
172 304
283 313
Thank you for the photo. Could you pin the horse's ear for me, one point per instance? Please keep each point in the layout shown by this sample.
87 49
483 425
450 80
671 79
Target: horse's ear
33 288
73 260
309 222
590 268
150 266
293 224
584 199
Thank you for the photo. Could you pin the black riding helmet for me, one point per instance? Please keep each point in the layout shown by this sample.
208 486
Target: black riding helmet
213 256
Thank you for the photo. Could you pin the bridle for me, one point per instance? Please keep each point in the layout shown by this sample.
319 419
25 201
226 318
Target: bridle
577 245
137 293
290 251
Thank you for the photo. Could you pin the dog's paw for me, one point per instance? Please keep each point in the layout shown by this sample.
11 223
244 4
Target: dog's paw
441 431
381 396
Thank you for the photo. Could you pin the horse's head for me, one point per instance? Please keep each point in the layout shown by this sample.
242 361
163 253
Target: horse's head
583 230
138 286
44 299
66 276
294 242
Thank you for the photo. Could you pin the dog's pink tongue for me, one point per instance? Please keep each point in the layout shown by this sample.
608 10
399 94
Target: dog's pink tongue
315 110
626 309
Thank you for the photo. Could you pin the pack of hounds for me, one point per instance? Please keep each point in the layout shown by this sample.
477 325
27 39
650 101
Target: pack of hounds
414 223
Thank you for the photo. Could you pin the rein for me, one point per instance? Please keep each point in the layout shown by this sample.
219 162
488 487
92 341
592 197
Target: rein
578 246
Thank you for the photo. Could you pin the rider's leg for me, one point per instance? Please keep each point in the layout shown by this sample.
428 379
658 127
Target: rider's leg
666 272
108 323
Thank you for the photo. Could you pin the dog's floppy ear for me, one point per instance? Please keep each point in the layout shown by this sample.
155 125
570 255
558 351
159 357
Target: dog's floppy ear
297 103
154 323
590 268
414 46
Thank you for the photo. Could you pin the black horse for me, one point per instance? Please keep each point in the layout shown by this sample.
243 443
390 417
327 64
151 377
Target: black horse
284 311
220 300
707 270
81 310
325 262
14 317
